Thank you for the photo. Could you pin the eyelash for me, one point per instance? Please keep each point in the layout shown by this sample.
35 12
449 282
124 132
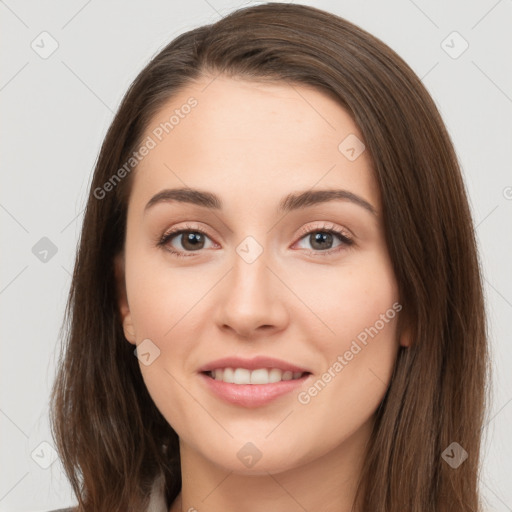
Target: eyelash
347 241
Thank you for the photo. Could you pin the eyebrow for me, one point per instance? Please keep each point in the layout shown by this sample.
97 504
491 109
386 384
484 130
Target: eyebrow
289 203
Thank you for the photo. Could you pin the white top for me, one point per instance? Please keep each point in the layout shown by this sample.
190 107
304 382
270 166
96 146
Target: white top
157 501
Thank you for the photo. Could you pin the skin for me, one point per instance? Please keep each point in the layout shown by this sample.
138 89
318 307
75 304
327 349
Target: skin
252 144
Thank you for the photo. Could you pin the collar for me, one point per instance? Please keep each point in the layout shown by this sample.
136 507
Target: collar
157 502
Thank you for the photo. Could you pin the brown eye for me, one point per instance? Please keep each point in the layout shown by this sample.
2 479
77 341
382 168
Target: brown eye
182 241
191 241
322 240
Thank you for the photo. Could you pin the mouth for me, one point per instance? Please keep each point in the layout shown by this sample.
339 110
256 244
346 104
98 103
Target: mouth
252 388
258 376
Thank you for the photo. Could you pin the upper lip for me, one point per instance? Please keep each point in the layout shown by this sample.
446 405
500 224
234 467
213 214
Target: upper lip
251 364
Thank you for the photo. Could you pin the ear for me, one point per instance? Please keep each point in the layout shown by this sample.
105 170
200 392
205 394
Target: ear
405 336
405 339
122 298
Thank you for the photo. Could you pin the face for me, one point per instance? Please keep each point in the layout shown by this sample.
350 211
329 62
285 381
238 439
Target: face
250 274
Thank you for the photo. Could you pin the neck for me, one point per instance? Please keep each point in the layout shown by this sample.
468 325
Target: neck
327 483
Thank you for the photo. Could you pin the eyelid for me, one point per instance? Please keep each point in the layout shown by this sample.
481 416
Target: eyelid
309 228
344 235
178 229
168 234
346 239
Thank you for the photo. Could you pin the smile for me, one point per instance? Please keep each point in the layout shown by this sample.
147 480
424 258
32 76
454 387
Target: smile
249 394
257 376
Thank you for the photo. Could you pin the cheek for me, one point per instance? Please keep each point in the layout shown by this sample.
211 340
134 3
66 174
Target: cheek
357 372
163 307
161 298
359 309
350 300
163 316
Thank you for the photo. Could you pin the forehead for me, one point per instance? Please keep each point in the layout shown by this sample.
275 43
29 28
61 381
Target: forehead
221 132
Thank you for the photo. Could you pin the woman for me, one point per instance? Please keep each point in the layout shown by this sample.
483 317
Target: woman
278 230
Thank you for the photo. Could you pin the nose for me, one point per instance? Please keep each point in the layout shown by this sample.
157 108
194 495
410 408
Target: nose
251 300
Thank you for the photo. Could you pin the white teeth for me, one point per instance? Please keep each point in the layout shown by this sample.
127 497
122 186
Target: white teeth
242 376
258 376
227 375
274 375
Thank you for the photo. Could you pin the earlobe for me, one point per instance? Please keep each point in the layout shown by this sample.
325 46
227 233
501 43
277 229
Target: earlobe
122 299
406 337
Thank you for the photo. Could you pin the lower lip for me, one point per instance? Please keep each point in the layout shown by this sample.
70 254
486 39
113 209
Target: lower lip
252 395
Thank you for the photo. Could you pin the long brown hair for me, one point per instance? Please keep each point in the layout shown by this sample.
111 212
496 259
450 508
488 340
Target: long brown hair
112 439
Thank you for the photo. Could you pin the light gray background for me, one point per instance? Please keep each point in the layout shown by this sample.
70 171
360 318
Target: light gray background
55 113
